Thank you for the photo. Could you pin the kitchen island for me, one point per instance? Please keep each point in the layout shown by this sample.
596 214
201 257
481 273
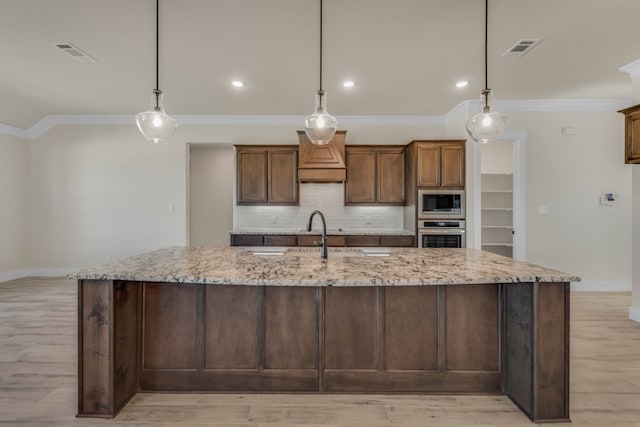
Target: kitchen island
275 319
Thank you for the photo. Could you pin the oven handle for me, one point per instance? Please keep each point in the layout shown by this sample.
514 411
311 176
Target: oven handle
441 231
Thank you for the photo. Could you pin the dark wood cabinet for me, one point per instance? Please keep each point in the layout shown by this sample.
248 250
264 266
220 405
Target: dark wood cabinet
632 134
375 175
267 175
339 240
440 164
332 241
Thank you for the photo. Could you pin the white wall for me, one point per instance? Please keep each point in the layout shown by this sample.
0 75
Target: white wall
568 173
101 192
211 185
13 205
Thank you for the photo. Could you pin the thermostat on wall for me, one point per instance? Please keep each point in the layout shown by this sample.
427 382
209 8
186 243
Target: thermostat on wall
608 199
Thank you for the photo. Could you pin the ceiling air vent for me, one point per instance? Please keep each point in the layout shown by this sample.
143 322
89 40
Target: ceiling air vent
75 52
521 47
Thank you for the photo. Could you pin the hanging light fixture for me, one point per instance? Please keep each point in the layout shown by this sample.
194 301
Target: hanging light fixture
155 124
486 126
320 126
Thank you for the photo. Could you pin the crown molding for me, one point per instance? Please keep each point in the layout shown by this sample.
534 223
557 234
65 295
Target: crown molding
632 68
463 109
13 131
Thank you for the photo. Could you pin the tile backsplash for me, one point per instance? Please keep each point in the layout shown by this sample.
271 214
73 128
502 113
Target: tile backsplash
328 198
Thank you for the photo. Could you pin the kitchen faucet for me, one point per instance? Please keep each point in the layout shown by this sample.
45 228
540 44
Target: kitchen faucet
323 252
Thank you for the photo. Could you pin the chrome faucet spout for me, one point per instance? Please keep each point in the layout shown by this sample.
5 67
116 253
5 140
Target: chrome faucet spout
323 251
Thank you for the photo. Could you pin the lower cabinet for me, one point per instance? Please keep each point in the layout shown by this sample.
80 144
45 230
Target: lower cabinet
412 339
355 240
334 339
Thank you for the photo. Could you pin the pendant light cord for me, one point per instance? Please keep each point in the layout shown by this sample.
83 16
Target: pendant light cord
157 43
486 44
320 44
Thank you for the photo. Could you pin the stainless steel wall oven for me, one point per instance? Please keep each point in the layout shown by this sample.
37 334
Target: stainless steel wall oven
441 234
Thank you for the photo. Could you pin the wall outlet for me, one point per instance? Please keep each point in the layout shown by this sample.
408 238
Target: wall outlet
543 210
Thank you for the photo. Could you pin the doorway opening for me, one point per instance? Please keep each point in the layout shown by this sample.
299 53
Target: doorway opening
501 197
210 184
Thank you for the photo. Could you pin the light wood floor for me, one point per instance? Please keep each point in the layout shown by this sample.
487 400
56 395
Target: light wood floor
38 368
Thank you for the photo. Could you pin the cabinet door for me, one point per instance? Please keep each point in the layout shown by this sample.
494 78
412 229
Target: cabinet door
429 166
390 176
361 176
283 182
452 166
252 176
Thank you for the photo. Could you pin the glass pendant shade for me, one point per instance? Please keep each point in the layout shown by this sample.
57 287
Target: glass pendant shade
320 126
486 126
155 124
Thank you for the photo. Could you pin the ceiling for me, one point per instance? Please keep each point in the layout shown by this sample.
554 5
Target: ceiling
404 55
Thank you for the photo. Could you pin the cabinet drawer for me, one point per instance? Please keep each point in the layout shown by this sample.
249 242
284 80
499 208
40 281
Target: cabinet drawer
280 240
397 241
309 240
363 240
247 240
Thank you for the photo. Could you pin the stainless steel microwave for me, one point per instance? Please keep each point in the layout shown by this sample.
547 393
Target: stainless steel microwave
441 204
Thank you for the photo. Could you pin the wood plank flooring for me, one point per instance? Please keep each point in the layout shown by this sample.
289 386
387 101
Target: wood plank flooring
38 369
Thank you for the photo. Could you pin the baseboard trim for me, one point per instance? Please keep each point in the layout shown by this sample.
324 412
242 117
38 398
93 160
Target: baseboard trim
634 314
597 286
36 272
13 275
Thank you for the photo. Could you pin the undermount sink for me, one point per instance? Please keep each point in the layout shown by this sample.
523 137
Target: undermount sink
332 252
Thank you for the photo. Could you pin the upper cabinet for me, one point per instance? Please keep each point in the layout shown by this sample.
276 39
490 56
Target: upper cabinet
632 134
440 164
267 175
375 175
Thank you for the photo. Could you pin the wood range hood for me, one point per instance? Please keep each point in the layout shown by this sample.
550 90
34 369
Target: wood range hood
322 163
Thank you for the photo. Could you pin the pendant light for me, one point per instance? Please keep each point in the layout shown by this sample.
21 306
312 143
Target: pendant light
155 124
320 126
487 125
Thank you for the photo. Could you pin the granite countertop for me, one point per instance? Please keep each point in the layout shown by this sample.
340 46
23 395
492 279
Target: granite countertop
332 232
274 266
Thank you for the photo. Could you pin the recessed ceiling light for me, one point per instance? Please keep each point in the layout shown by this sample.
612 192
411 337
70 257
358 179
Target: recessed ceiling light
462 83
237 83
349 83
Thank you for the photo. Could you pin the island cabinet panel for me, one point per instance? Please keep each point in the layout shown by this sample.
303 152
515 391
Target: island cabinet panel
411 328
291 328
537 349
394 339
472 332
170 321
95 397
108 327
230 327
229 338
350 316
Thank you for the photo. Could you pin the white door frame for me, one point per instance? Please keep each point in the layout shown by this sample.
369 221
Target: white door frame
519 139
